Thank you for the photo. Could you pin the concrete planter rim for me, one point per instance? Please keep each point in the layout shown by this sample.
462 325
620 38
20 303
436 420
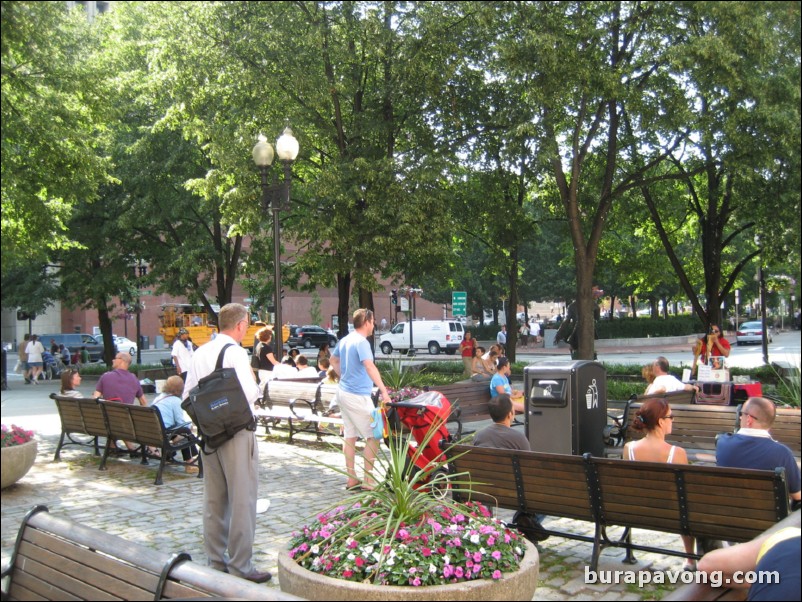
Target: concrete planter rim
17 460
520 585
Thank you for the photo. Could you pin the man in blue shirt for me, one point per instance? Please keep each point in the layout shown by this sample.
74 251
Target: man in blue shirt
753 447
352 359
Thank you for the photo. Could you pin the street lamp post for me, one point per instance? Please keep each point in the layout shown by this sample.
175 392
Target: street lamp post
276 197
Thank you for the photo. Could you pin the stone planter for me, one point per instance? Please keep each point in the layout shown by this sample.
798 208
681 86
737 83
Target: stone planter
16 462
520 585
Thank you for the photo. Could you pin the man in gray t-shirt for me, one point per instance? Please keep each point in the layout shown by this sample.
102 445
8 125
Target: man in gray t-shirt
500 434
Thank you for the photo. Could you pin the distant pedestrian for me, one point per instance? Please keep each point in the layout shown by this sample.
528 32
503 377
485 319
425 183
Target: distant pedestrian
182 353
467 347
34 349
352 359
501 337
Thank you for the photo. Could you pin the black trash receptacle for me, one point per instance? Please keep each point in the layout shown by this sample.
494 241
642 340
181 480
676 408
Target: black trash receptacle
144 342
567 404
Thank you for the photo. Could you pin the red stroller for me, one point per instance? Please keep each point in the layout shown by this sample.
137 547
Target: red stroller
426 416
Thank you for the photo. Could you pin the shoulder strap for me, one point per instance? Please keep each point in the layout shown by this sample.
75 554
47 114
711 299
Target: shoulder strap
671 454
219 365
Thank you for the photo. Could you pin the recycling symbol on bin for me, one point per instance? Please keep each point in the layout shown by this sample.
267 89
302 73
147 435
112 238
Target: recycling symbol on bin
592 395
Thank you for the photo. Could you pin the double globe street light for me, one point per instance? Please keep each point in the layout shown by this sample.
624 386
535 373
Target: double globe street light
276 197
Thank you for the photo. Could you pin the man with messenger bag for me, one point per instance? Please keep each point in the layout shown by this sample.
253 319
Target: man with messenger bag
220 390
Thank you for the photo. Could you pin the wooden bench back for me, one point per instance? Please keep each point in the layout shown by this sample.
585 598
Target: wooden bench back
59 560
143 425
282 392
80 415
551 484
787 429
694 426
721 503
56 559
471 398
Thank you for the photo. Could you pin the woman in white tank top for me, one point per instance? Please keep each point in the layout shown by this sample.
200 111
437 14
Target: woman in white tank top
655 419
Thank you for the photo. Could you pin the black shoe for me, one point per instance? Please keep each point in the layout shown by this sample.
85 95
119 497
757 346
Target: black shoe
258 577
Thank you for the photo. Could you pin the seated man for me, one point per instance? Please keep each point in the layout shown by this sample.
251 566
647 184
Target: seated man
665 382
119 384
500 434
753 447
304 369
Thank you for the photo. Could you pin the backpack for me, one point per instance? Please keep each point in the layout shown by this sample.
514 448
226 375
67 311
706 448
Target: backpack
255 356
218 406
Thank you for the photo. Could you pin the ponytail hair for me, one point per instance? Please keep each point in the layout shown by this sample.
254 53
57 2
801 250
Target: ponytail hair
648 416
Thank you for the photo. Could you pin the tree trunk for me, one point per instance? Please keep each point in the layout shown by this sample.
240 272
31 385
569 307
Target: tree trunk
104 319
512 305
343 297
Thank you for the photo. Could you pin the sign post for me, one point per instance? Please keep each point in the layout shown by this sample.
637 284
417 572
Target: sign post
459 303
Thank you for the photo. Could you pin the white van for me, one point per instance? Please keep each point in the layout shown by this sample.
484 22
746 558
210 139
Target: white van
433 335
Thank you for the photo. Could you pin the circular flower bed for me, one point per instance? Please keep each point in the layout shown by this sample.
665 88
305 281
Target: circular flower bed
451 544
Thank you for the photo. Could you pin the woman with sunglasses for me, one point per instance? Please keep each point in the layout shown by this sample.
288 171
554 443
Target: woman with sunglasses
70 380
711 345
655 419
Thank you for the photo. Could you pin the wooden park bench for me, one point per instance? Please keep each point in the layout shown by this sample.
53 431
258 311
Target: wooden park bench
700 501
144 426
470 403
787 429
57 559
697 426
301 404
79 416
694 428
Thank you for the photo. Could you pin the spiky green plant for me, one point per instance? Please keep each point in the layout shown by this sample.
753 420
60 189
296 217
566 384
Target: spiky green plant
399 533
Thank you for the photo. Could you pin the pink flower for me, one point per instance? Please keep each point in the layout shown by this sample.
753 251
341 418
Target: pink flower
496 555
353 544
448 570
459 572
496 574
360 562
426 552
348 573
477 557
416 581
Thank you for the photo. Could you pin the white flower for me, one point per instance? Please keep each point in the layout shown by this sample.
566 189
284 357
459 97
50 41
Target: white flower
432 569
475 538
367 550
351 557
518 550
315 549
390 562
446 559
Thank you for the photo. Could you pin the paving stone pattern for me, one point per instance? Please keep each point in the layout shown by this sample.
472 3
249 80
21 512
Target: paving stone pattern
123 500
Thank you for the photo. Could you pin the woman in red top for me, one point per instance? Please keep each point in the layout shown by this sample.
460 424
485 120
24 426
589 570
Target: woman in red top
466 348
712 345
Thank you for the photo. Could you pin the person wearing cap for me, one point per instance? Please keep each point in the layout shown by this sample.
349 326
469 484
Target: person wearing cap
182 353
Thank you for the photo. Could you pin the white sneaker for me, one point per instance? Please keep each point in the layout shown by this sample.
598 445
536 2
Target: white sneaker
262 505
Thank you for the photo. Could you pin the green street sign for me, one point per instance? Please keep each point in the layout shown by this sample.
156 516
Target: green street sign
459 303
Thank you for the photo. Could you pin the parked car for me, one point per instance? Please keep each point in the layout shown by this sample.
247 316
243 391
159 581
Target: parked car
311 336
127 345
74 341
752 332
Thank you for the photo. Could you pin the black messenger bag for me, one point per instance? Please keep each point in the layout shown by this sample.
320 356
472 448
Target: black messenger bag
218 406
